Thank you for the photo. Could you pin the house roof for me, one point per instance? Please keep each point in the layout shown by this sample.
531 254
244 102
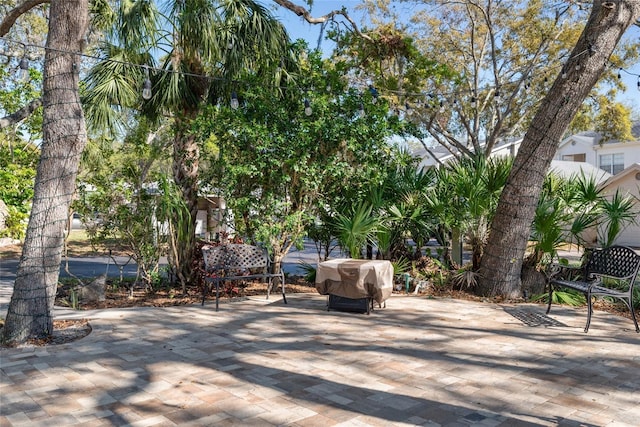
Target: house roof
633 169
568 169
594 138
587 138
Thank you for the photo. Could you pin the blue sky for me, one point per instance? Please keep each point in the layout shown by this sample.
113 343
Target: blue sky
298 28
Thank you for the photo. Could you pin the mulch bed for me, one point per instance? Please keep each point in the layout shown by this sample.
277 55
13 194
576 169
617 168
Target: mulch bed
64 331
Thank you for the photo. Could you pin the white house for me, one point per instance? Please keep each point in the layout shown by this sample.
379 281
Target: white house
614 164
619 159
611 156
627 183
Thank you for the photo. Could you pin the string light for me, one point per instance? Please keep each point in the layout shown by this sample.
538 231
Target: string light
146 87
408 110
23 69
307 107
234 101
374 94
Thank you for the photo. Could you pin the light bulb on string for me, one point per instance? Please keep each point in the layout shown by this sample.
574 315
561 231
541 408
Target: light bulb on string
23 69
146 86
307 108
474 101
361 112
408 110
638 83
619 73
234 100
374 94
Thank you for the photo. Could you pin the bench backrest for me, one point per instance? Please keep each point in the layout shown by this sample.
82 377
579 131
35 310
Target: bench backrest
619 262
234 256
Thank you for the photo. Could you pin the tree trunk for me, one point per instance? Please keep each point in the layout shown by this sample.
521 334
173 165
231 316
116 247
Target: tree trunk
30 313
185 175
510 230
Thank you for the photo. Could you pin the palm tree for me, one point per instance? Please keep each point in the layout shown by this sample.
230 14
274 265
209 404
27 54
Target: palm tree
30 313
202 46
464 198
617 213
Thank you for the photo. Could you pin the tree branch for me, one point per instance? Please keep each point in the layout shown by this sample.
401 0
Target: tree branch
21 114
16 12
306 15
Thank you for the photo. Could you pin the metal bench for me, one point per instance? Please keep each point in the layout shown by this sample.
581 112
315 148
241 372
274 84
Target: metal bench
236 262
608 272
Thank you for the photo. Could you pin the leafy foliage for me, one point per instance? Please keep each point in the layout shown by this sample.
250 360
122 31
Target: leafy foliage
473 73
120 193
18 162
278 167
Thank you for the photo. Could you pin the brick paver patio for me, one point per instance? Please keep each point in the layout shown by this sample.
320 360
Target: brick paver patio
432 362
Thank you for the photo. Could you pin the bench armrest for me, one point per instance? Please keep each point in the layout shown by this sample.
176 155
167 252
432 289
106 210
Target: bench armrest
555 271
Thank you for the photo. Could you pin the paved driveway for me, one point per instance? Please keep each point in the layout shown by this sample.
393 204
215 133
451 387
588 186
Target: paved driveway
420 361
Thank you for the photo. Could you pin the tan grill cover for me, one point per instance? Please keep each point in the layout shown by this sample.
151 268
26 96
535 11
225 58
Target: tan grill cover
355 278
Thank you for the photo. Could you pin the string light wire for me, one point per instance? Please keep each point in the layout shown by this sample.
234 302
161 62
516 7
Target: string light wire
375 92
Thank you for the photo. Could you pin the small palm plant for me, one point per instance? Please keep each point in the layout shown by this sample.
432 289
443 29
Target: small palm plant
356 228
617 213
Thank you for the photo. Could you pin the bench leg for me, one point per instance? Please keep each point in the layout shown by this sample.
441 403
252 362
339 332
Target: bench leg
629 303
270 286
633 316
589 311
284 297
204 291
550 298
217 293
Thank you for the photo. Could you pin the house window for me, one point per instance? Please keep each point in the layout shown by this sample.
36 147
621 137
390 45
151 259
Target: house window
582 157
612 163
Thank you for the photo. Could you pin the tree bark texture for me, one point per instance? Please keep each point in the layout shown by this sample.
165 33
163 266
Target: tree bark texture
510 230
185 175
30 313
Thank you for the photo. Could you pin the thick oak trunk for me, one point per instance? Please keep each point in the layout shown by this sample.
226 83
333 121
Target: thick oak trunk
30 313
510 230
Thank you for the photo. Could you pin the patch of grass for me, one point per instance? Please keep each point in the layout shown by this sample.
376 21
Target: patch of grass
78 245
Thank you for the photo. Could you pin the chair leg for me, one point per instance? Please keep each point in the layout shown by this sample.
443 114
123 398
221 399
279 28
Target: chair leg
269 286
